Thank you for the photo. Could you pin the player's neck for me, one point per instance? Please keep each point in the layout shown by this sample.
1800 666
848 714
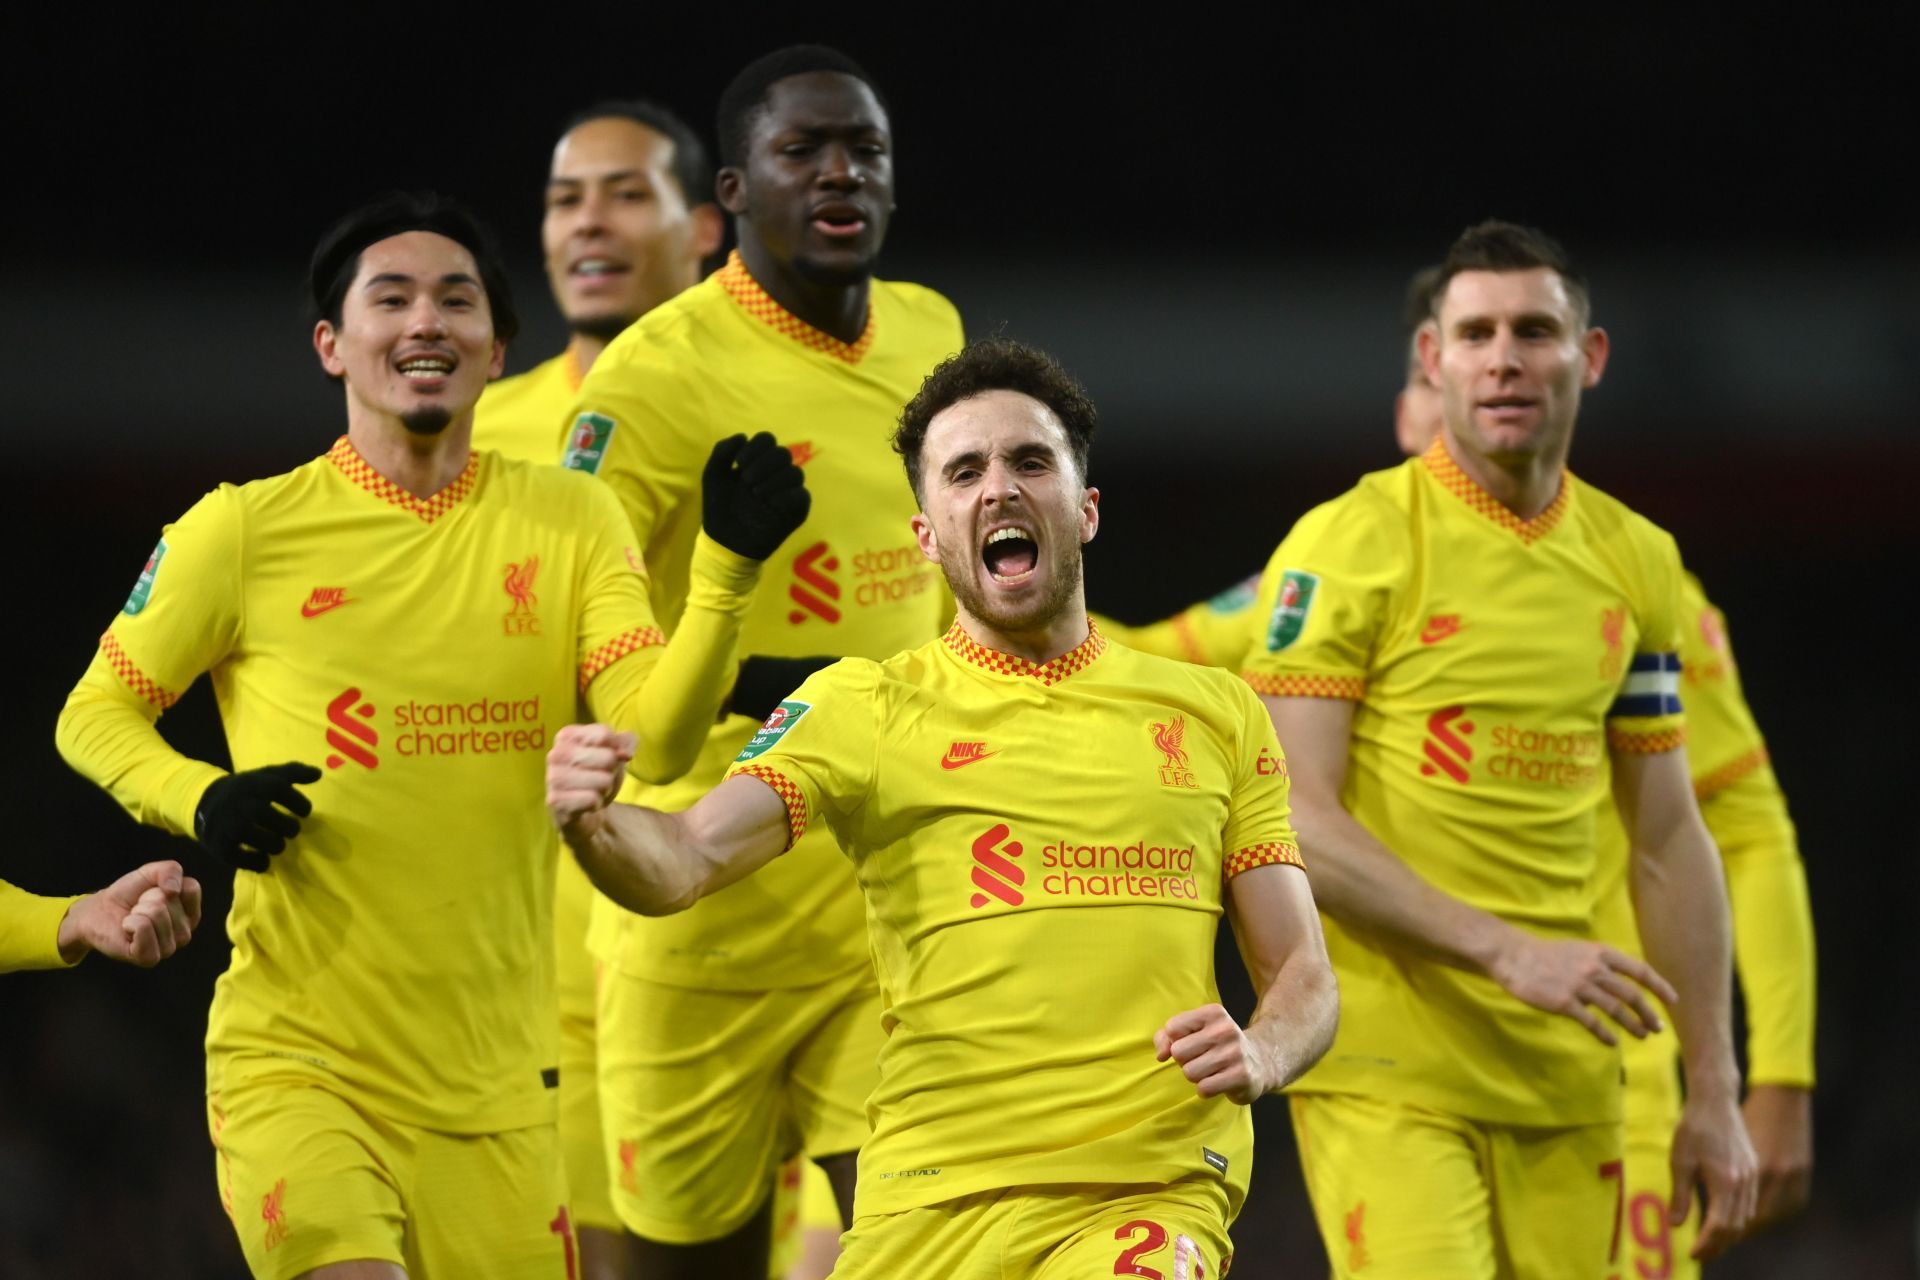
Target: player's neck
423 465
1066 632
836 309
1525 484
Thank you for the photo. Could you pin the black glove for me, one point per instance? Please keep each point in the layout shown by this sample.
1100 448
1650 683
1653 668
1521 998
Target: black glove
765 682
246 818
754 495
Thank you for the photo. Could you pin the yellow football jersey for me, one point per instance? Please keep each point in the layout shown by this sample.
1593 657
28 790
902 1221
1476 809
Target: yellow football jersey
1746 811
1213 633
1042 850
30 929
424 653
525 416
721 358
1493 662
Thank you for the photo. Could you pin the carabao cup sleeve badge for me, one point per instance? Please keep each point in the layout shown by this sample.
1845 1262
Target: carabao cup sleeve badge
1290 608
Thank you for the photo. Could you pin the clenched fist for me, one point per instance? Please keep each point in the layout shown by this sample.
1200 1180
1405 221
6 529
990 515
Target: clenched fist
584 769
753 495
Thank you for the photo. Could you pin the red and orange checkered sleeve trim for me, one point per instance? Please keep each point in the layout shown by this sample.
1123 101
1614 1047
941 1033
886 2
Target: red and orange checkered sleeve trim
789 794
136 679
758 303
1648 743
1718 780
1442 467
1261 855
612 651
360 472
1349 688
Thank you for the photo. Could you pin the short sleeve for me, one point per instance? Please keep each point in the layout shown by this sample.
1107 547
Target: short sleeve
1259 817
1323 601
1646 716
183 615
820 746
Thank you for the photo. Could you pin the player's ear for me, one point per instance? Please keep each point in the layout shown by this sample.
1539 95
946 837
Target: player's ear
923 534
709 228
1596 345
498 365
730 188
1426 340
325 340
1089 515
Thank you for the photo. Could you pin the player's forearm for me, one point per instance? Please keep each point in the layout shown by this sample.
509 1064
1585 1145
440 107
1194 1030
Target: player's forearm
1773 950
675 709
33 930
1685 930
107 735
1361 883
1294 1024
641 858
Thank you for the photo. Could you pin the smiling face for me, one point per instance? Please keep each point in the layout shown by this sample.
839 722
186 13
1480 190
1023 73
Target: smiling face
415 339
620 236
1511 353
816 187
1005 510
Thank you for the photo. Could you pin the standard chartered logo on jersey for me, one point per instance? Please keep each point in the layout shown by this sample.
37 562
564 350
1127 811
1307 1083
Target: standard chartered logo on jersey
1138 871
882 576
483 726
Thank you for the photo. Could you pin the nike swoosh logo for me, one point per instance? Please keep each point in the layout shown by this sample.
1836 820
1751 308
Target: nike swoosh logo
308 610
1434 635
948 762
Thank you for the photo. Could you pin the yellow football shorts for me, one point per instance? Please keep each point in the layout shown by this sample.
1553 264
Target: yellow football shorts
802 1202
704 1094
1401 1191
1176 1232
309 1178
1649 1247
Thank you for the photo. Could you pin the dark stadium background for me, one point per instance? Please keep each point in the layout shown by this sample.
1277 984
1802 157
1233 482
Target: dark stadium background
1210 223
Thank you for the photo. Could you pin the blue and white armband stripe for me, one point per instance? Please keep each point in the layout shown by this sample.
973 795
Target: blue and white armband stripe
1652 687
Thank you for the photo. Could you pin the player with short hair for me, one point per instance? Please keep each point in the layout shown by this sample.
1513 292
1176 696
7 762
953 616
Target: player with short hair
141 918
421 617
629 219
1460 654
747 1028
1057 1088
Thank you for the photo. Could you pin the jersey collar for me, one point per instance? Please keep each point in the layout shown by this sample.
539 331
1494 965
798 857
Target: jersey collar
1441 466
971 651
758 303
575 374
360 472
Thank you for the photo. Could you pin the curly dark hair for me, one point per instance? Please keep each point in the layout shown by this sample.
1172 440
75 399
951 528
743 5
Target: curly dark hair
1494 245
996 364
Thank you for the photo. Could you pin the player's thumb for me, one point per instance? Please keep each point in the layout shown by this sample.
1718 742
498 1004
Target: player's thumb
625 744
164 875
1684 1172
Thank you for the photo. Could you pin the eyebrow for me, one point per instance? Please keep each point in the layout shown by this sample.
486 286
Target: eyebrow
978 457
618 175
399 277
1525 317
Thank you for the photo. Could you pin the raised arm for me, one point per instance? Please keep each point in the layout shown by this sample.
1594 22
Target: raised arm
1365 885
1680 901
753 498
650 862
